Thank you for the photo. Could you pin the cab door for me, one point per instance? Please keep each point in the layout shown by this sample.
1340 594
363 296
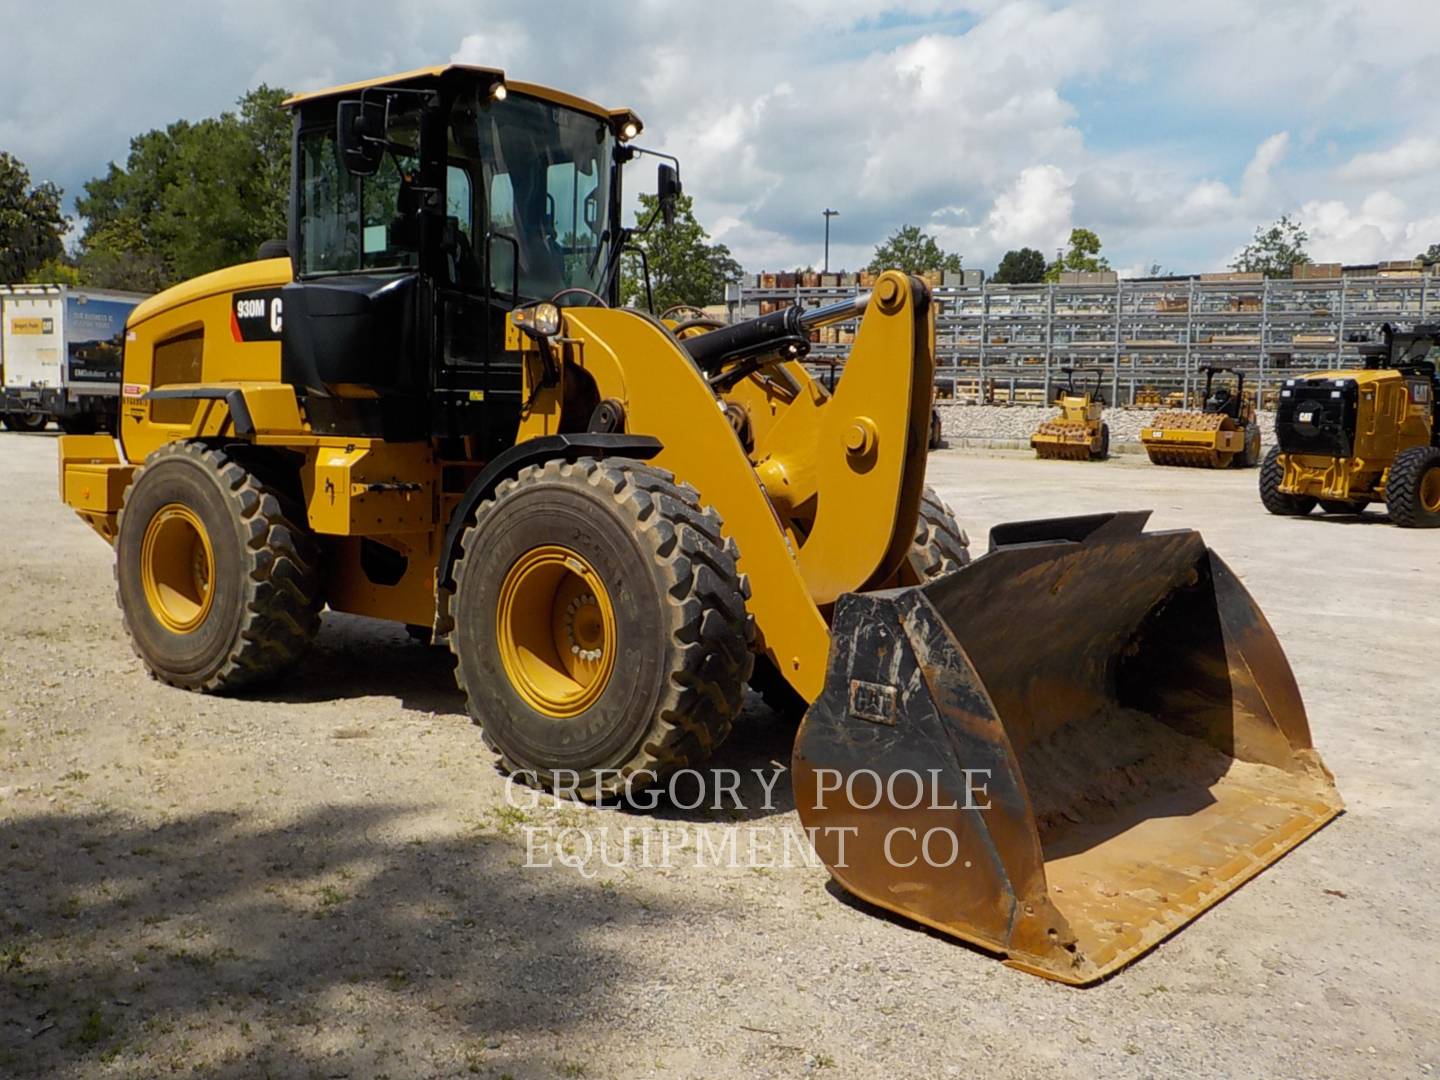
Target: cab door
477 383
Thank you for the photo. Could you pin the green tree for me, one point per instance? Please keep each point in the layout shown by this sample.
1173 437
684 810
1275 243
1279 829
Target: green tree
32 227
1430 256
57 271
190 198
913 251
1023 267
118 255
1275 251
1083 254
685 268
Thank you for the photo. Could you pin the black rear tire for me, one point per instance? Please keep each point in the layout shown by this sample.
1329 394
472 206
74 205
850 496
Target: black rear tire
681 632
1272 475
265 584
1412 491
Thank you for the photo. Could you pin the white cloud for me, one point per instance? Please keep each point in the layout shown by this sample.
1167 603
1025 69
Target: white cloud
1415 156
1380 227
1256 179
1035 211
993 124
500 44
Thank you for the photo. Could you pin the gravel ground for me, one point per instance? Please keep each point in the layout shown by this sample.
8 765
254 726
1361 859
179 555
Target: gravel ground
328 879
1010 426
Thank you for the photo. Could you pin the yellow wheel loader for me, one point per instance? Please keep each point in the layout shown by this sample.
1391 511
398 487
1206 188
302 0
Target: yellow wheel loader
1221 435
1079 433
1346 439
427 407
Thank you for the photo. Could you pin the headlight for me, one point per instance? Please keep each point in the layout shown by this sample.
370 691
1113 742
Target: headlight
547 319
538 320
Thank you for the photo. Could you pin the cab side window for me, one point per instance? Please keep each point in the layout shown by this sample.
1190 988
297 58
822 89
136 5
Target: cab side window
329 201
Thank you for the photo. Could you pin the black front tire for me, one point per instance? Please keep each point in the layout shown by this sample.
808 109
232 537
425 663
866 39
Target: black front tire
940 547
1272 475
1412 491
266 601
682 632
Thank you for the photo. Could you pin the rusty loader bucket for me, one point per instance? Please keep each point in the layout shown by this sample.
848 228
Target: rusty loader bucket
1062 752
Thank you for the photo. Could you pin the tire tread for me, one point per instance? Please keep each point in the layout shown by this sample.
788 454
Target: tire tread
282 599
710 629
1402 488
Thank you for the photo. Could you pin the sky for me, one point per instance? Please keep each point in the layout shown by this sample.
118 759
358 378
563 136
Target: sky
1172 129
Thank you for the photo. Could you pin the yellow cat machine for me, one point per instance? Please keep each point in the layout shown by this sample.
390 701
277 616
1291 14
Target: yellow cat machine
1079 433
427 406
1221 435
1346 439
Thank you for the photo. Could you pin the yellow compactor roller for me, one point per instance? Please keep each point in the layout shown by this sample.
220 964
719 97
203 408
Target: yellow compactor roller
1079 433
427 406
1221 435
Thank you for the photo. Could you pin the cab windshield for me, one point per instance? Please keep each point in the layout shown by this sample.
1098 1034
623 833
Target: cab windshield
529 182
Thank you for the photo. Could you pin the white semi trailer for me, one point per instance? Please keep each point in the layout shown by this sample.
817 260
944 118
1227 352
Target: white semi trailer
60 350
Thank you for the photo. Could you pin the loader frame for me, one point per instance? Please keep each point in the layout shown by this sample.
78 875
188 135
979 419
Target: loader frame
615 521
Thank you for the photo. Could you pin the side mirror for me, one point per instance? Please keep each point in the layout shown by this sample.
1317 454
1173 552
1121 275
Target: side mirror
667 186
360 134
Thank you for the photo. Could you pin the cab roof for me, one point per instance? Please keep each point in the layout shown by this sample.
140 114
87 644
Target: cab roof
544 93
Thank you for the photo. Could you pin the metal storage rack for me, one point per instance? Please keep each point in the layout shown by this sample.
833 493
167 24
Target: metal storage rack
1007 343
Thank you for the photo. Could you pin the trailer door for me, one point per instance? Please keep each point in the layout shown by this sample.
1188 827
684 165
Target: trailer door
33 329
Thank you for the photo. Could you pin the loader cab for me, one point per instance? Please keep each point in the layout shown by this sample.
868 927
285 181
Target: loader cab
425 208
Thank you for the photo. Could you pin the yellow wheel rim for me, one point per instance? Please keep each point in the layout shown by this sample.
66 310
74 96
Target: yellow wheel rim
1430 490
177 568
555 627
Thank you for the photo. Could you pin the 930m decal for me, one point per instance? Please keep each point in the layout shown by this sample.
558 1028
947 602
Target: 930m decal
257 315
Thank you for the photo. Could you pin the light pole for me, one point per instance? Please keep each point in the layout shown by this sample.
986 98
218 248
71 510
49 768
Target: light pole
828 215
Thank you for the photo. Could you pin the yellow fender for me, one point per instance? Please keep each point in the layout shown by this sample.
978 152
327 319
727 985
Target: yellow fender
634 361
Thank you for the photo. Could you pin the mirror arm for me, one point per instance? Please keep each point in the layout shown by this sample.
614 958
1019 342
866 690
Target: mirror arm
645 266
634 151
612 261
643 229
